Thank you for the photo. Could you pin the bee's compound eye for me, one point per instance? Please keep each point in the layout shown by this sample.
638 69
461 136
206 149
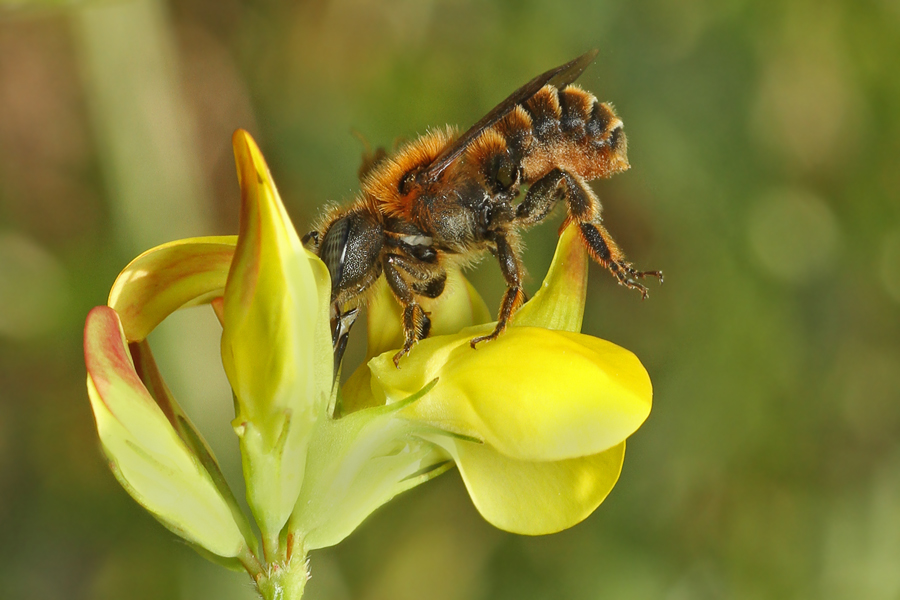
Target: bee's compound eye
333 251
350 249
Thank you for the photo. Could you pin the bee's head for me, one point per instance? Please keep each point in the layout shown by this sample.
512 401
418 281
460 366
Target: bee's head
350 247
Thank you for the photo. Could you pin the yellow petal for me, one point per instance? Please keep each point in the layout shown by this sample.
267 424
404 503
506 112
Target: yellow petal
533 497
532 394
559 304
276 345
169 277
146 368
148 458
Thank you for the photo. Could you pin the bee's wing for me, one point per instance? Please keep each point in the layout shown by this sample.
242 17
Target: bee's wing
559 77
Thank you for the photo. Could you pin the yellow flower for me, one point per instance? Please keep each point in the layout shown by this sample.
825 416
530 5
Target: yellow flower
536 420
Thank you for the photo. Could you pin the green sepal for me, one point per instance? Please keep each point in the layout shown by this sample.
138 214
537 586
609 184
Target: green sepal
356 464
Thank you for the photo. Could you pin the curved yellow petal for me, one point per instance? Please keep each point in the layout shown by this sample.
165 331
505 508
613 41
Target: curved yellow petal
169 277
276 345
559 304
533 394
146 454
534 497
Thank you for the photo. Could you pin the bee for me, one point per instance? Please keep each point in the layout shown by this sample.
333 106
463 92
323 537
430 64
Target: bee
443 199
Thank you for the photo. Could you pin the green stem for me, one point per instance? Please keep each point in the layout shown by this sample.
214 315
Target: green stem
271 548
250 563
285 581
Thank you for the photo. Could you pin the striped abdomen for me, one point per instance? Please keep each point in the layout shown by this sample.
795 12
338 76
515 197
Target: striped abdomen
566 129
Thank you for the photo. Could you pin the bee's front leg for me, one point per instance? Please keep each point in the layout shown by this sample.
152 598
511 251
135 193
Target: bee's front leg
511 266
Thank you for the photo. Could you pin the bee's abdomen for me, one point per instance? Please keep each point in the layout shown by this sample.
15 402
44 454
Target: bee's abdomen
566 129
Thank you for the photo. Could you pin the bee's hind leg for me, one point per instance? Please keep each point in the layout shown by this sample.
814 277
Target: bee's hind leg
604 250
584 209
540 200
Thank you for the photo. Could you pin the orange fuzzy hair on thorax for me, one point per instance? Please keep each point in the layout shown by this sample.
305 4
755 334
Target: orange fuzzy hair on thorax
381 187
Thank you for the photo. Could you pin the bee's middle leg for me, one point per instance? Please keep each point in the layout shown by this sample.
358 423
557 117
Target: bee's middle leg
428 281
511 266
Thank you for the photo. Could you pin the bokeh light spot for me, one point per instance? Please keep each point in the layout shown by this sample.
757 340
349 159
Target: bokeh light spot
793 234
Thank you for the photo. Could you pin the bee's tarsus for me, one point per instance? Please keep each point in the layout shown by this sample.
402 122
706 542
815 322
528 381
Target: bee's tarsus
485 338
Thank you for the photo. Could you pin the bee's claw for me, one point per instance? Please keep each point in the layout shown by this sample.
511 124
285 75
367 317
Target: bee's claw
400 355
627 276
642 274
634 285
487 338
478 340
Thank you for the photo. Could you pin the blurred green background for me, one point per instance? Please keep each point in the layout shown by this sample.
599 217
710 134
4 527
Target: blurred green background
764 140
